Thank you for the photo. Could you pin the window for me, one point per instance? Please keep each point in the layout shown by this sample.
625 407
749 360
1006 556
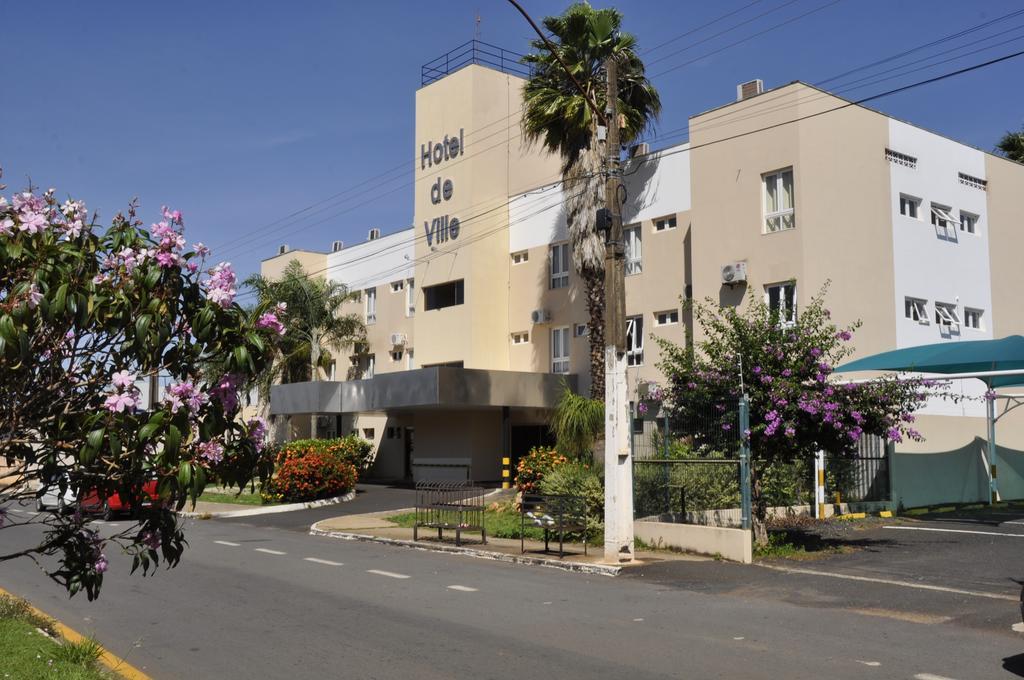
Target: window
972 318
901 159
409 363
560 265
521 257
915 310
396 355
781 298
368 433
946 315
634 341
973 182
410 298
634 249
397 286
665 223
942 218
521 338
444 295
580 330
779 214
560 350
371 305
968 222
371 364
909 206
666 318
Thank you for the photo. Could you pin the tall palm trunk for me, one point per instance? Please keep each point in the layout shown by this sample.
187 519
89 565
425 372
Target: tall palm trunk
584 192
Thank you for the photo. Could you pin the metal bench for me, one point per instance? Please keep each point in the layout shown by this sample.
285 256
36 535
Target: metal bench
453 505
556 515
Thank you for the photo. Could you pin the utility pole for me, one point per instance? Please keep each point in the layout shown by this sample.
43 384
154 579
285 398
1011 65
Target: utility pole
618 461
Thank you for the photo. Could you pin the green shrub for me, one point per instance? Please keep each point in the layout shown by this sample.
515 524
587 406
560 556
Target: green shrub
534 465
579 480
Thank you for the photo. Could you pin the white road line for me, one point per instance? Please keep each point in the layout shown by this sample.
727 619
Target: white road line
317 560
929 676
1013 522
873 664
892 582
389 574
269 551
463 589
233 545
956 531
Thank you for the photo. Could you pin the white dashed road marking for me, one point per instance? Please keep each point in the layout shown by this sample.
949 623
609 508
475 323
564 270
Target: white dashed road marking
317 560
869 663
462 589
389 574
269 551
891 582
929 676
233 545
957 531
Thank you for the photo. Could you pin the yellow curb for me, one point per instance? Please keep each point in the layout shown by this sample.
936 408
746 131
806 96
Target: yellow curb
108 659
885 513
852 515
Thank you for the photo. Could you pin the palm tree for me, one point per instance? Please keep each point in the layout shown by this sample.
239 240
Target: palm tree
1012 146
314 325
557 116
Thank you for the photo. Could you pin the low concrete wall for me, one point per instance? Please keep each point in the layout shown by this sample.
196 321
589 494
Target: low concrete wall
732 544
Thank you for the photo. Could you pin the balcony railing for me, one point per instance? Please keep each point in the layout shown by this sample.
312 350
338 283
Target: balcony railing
474 52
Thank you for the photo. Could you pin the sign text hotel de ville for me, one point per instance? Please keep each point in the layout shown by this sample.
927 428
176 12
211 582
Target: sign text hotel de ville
441 229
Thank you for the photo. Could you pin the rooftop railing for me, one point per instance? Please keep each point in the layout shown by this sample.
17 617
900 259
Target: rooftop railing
474 52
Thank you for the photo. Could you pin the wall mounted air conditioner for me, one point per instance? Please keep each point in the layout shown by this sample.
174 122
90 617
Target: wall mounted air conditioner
540 316
373 235
337 245
398 339
282 249
734 273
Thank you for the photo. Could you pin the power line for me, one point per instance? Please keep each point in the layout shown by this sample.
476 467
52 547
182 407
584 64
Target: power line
698 28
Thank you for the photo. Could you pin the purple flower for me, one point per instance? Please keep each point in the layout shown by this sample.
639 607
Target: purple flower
815 352
185 394
757 370
212 451
844 335
118 403
33 222
123 379
257 432
226 392
790 431
167 260
270 320
200 249
150 538
786 373
100 565
220 287
726 426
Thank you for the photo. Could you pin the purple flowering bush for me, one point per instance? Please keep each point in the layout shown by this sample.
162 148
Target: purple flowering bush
796 406
87 315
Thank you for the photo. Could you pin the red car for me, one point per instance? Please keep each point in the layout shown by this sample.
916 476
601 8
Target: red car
112 505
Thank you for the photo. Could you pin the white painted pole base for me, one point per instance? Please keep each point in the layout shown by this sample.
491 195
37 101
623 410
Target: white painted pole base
618 462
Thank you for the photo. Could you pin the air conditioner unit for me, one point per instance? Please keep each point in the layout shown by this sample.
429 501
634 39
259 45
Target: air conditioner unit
398 339
374 235
337 245
734 273
641 149
282 249
540 316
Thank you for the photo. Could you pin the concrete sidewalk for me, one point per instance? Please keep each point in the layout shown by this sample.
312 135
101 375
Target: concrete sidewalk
376 527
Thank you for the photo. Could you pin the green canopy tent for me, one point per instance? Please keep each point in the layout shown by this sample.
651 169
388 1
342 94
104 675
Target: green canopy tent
997 363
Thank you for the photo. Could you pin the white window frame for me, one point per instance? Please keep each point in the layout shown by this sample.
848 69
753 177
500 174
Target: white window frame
787 316
561 347
946 315
371 366
915 206
521 338
941 213
977 315
964 215
410 297
778 217
521 257
580 330
916 310
665 223
558 265
635 340
397 286
371 305
408 359
671 317
633 242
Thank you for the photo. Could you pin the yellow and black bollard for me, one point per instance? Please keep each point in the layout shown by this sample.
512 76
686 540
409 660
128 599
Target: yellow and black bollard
506 473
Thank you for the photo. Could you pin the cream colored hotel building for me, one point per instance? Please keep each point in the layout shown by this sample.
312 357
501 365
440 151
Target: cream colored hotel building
474 315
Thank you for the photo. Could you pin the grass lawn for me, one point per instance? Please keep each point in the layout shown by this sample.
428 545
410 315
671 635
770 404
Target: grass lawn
499 525
29 655
245 498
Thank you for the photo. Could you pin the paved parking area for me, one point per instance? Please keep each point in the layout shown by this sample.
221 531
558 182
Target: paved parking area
959 568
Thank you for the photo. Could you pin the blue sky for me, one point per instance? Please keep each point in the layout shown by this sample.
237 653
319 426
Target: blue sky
242 113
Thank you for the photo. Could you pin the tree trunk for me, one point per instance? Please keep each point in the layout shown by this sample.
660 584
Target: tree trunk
594 282
314 375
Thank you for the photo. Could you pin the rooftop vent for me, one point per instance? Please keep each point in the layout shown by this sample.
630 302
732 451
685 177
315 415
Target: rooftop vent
337 245
641 149
374 235
282 249
749 89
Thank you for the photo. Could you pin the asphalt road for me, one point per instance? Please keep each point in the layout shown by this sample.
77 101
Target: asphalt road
256 602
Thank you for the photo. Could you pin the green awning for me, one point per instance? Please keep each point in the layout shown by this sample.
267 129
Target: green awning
968 356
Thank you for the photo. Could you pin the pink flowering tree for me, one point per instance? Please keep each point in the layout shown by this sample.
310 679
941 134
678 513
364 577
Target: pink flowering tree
797 406
87 316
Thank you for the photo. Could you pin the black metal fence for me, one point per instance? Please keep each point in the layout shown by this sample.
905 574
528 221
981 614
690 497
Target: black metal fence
450 506
692 470
860 478
473 52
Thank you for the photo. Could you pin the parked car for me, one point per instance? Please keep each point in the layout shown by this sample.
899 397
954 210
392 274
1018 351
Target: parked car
49 495
111 506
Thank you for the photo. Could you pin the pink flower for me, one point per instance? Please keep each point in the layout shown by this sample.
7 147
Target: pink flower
123 379
211 451
172 215
220 287
6 226
200 249
101 564
118 403
33 222
226 392
185 394
166 259
269 320
257 432
35 296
